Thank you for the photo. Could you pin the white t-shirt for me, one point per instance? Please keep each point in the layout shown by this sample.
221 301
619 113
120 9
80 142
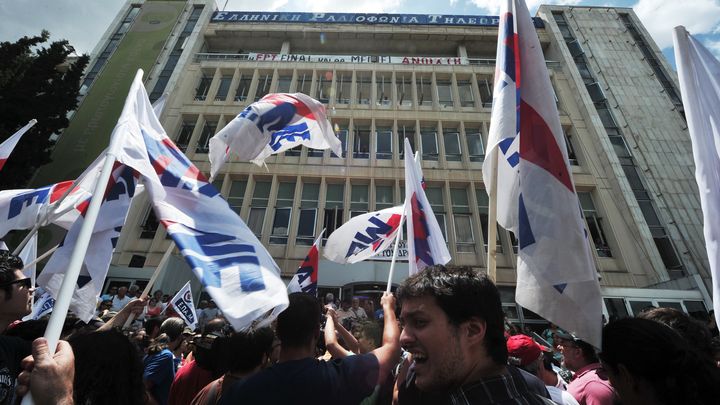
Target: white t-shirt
119 303
560 396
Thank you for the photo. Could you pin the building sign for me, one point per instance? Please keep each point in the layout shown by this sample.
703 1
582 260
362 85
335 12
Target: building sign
387 254
362 18
400 60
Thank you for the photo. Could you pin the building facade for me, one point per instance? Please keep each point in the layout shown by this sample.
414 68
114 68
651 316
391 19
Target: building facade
428 78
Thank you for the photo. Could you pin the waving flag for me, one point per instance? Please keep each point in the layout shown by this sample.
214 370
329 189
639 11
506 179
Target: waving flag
183 305
118 194
222 251
363 236
426 245
22 209
275 123
699 76
305 279
44 303
28 255
7 147
556 276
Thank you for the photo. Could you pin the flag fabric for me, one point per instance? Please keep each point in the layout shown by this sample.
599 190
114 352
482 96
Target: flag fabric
44 303
306 277
425 242
234 267
699 77
363 236
556 275
7 147
183 305
119 192
275 123
28 255
22 209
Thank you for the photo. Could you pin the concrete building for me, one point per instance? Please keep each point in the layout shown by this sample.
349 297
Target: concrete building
428 78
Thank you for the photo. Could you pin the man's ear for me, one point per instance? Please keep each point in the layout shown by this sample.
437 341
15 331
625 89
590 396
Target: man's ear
474 330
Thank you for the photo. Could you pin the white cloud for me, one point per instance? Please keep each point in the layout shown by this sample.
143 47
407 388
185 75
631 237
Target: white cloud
713 46
318 6
492 7
659 17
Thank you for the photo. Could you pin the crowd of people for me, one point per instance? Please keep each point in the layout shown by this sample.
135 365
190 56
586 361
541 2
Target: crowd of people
442 339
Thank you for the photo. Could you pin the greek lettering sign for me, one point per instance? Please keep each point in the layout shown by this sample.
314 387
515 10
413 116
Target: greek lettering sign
396 60
359 18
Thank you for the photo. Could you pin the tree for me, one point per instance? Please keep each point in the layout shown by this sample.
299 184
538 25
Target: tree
34 83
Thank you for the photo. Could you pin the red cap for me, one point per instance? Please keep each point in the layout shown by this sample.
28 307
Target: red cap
524 349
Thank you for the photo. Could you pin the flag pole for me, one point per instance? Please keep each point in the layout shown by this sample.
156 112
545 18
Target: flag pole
160 267
395 251
39 258
64 296
492 221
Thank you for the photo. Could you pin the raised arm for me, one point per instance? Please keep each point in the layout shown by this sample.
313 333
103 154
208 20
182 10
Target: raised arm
331 342
389 353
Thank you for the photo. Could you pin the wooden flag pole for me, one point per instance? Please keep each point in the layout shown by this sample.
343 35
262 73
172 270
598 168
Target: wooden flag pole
492 222
160 267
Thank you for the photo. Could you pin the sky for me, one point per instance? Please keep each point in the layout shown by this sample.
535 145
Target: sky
82 22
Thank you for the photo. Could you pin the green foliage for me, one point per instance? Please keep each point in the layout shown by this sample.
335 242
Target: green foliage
34 83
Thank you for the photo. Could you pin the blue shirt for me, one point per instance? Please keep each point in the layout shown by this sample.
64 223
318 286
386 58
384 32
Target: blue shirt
160 370
309 381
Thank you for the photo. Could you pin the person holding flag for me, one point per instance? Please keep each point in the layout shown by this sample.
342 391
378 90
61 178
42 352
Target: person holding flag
305 279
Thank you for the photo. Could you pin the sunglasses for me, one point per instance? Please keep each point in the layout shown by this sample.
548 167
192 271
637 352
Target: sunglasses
24 282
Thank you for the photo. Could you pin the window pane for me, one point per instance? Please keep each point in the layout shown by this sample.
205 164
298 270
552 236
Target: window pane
203 87
405 131
444 93
310 194
281 223
463 233
383 197
361 143
384 143
243 87
403 84
342 134
263 87
363 88
452 145
306 226
304 82
486 91
207 133
334 195
467 98
183 138
383 88
359 197
429 144
616 308
261 194
284 84
344 84
285 194
424 85
237 192
475 144
224 88
256 219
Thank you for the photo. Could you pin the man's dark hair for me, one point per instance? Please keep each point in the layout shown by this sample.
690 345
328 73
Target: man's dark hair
300 322
173 328
462 294
8 264
692 330
372 330
243 351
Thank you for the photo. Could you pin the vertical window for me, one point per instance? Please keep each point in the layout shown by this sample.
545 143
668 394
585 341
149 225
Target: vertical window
283 213
383 197
483 202
467 98
333 216
594 223
203 88
462 219
383 143
343 81
224 87
207 132
476 149
444 93
342 134
361 143
364 87
243 88
258 205
428 137
486 91
403 85
263 87
570 150
383 88
308 214
284 82
183 138
436 197
304 82
150 225
324 86
424 88
405 131
358 199
451 136
237 193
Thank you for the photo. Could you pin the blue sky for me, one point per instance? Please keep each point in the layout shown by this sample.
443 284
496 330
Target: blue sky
82 22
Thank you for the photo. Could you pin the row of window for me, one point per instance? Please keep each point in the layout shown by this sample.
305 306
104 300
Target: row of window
296 208
383 89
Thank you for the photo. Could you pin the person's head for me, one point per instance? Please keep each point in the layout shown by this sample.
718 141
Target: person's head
345 304
134 291
15 289
243 352
203 304
122 291
152 327
105 305
113 290
108 369
212 304
152 302
298 326
369 306
158 295
452 323
646 361
369 336
695 332
576 352
173 328
524 353
355 302
329 298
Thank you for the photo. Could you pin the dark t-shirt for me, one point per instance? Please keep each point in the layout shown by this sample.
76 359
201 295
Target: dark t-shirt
12 351
309 381
160 369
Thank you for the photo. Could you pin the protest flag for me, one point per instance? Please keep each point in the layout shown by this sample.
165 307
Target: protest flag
7 147
556 275
183 305
306 277
363 236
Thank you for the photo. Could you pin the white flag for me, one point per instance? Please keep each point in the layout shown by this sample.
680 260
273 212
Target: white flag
28 255
699 76
7 147
363 236
44 304
183 304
